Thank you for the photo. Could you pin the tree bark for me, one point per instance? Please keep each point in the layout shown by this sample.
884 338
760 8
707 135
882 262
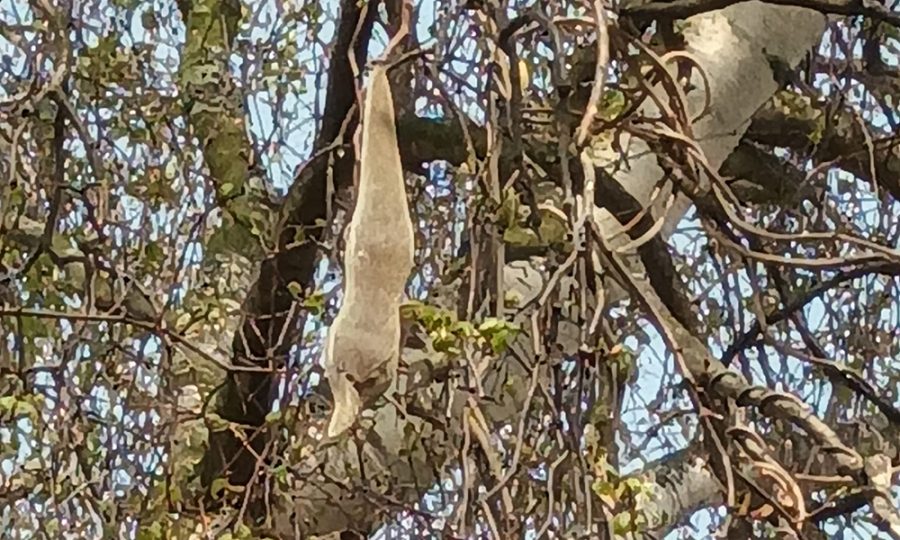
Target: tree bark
733 47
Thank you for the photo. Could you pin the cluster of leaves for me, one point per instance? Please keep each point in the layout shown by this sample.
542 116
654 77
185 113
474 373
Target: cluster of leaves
626 497
449 334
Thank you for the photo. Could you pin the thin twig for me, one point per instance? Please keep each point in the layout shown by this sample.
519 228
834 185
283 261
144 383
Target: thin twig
599 73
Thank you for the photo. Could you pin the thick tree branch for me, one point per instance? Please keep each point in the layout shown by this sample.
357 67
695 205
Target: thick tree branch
796 125
682 9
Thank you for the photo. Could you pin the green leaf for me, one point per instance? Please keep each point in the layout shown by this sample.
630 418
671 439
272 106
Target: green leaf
273 417
243 532
315 302
606 492
175 494
498 332
219 486
19 407
153 531
622 524
463 329
154 254
216 422
280 474
520 236
295 289
612 105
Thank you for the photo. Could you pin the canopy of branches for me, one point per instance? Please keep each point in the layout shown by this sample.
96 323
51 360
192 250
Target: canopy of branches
656 283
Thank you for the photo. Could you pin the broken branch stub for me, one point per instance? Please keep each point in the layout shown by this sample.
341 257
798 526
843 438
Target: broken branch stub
363 347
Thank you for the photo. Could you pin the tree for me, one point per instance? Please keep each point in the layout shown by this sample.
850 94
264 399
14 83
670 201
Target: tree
655 286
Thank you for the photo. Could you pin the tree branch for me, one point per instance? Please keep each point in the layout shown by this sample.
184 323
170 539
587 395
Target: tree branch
682 9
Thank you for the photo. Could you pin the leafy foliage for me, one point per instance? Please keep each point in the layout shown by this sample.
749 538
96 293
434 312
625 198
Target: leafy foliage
175 182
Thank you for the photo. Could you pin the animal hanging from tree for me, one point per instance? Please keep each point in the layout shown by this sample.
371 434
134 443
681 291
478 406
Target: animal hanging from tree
363 347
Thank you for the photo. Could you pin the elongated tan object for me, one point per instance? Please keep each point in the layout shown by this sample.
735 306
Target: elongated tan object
363 345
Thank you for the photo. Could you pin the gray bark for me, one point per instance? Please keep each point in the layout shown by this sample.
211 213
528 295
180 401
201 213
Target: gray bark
733 47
